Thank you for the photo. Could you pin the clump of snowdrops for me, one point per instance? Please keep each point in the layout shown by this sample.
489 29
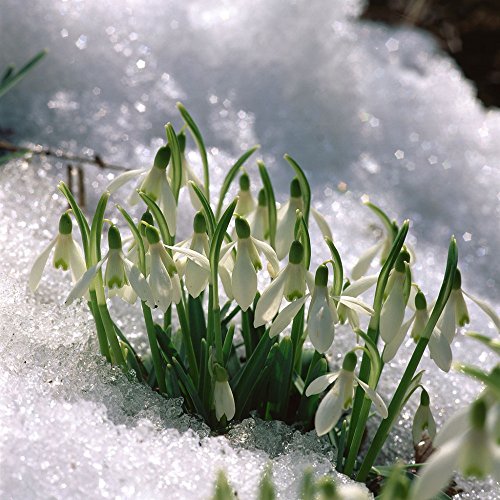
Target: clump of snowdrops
229 347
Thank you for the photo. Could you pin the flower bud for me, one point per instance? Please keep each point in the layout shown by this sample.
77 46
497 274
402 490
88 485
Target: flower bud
350 361
295 189
162 158
199 223
321 278
65 224
153 235
244 182
296 254
114 238
420 302
262 198
242 228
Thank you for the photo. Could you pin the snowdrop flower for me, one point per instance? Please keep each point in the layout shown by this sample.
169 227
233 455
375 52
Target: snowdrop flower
244 276
246 203
223 396
67 255
472 452
286 219
259 218
122 277
423 421
289 283
393 310
155 184
456 313
163 278
353 290
339 397
133 253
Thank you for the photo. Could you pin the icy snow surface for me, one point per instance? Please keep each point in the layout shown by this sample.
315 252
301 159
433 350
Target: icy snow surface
364 108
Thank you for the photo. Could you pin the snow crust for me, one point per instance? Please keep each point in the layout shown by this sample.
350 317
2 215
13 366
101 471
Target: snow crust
364 108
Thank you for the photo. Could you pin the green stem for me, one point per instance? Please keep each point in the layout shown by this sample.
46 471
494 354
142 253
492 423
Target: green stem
155 351
111 335
101 332
186 336
245 331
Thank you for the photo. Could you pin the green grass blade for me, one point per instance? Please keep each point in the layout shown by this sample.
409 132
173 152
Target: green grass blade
14 78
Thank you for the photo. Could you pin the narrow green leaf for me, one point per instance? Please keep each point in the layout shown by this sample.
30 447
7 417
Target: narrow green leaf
137 237
189 387
159 217
492 344
209 214
338 274
14 155
13 78
176 160
228 343
96 227
391 229
304 184
271 203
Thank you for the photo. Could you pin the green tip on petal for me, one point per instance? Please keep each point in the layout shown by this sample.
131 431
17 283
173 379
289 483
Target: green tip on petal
457 282
162 157
420 302
295 189
478 412
296 254
199 223
244 182
65 224
350 361
220 373
400 263
152 234
181 139
114 238
262 198
424 398
242 228
321 278
405 255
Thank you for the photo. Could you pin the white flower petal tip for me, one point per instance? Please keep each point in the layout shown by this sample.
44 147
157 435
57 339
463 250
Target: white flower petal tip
270 300
39 266
123 179
224 401
317 386
374 397
83 284
393 310
286 316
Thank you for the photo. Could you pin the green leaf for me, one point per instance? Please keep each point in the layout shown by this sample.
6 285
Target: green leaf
414 385
233 171
376 361
209 214
283 365
228 343
271 203
198 139
384 218
11 78
137 237
159 217
492 344
302 233
96 228
338 274
12 156
491 380
304 184
189 388
176 160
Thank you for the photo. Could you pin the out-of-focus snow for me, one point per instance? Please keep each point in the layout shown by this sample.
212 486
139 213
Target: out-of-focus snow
363 108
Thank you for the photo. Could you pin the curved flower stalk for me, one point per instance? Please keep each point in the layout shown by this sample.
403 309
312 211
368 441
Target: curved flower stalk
456 312
244 274
339 397
287 215
122 277
289 283
67 254
258 219
473 452
423 421
223 396
246 203
163 278
155 184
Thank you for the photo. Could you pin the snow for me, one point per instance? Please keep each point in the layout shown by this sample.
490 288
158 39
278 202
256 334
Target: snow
364 108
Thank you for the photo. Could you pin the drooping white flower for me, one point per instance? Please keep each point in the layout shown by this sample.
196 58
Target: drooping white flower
133 252
259 218
339 397
471 452
122 277
155 184
244 275
354 289
322 223
393 310
163 278
223 396
289 283
286 219
423 421
246 203
67 254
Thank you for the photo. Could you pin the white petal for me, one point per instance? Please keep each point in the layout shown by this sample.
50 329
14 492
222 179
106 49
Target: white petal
126 293
436 473
329 411
225 278
488 310
245 204
77 262
176 288
322 224
364 262
285 229
139 283
440 350
392 347
270 300
286 316
318 385
160 283
122 179
310 281
419 423
168 206
269 253
244 282
393 310
355 304
455 426
82 285
360 286
223 400
196 278
353 491
448 323
225 249
374 396
320 322
200 259
39 266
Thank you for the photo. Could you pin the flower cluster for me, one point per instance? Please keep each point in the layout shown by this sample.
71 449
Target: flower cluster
231 335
